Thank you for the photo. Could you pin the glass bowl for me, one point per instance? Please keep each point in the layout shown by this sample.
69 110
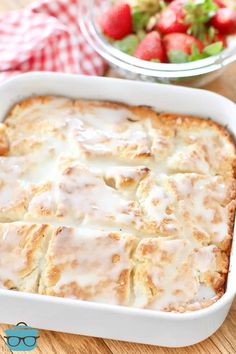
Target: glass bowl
197 73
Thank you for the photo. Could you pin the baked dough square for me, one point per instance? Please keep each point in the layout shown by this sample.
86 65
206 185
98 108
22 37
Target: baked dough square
158 206
206 207
22 249
89 264
195 145
171 275
80 196
124 137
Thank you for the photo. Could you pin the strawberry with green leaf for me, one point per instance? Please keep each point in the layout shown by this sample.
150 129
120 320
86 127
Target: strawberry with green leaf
179 46
212 36
172 18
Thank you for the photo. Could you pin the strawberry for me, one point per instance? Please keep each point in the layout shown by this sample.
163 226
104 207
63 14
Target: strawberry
179 46
219 3
172 18
225 21
220 38
151 48
116 22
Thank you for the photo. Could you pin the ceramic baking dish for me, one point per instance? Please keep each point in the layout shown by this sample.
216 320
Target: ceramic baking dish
101 320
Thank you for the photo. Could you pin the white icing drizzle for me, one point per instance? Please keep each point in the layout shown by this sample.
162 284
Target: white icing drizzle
95 266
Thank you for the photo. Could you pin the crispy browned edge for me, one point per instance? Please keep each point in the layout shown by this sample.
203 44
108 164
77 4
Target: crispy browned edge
141 111
163 117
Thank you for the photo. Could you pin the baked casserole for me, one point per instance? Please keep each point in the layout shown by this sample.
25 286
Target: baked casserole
105 202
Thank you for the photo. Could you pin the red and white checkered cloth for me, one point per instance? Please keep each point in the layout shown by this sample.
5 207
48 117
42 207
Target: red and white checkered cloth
46 37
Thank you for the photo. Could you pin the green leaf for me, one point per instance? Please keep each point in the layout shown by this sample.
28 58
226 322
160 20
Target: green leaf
195 50
149 6
197 15
197 57
163 4
155 60
211 33
177 56
140 19
213 48
141 34
128 44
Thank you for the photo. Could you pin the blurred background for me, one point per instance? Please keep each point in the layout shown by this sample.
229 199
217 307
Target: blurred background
225 84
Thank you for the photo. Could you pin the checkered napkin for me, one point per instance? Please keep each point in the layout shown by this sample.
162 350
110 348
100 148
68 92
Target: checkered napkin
46 37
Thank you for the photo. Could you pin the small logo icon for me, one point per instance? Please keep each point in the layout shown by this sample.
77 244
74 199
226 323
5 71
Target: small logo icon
21 337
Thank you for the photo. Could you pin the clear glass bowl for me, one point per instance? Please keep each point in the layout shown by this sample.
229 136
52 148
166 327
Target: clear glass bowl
197 73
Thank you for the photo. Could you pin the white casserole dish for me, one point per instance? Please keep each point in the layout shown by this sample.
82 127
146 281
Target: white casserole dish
101 320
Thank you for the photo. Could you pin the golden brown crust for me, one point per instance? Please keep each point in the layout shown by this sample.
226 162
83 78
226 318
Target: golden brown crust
4 142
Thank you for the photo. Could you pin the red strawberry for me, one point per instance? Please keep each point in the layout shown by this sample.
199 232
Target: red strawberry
181 42
172 18
218 37
116 22
151 47
219 3
225 21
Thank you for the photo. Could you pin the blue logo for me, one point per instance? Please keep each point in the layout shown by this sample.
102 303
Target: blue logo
21 337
